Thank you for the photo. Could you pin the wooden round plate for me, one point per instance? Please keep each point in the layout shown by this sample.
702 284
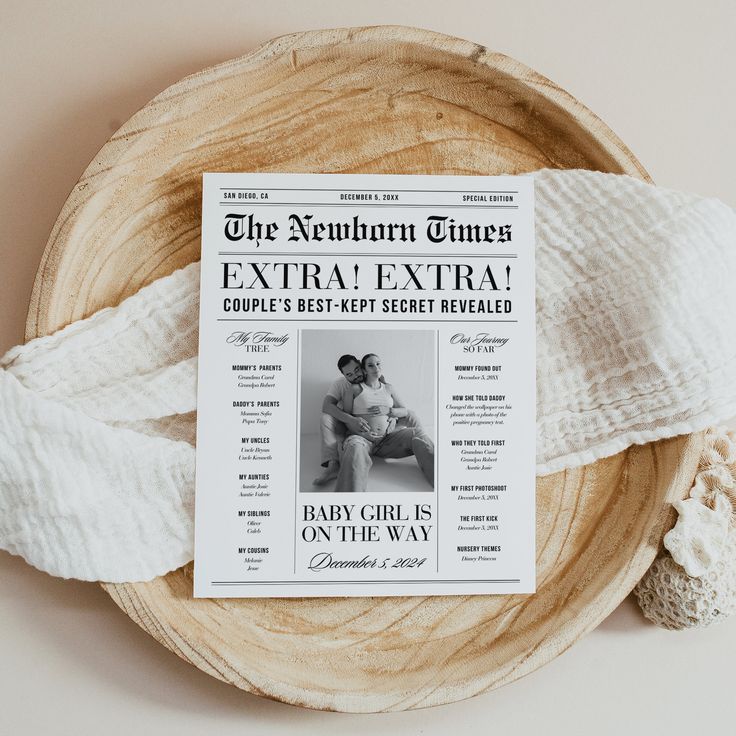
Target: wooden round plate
379 100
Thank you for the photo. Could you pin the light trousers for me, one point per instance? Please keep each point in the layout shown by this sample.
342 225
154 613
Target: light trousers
358 454
333 433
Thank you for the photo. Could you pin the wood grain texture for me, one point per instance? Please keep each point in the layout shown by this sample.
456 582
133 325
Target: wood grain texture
375 100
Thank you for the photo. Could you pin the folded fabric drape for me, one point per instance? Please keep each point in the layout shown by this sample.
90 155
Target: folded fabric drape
636 341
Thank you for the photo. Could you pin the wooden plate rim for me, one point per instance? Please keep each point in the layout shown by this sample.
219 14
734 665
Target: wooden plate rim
293 43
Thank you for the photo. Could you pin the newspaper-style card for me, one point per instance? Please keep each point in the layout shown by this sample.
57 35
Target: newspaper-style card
366 400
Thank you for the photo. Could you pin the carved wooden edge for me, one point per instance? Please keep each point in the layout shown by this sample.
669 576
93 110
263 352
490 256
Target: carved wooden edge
685 450
126 596
291 44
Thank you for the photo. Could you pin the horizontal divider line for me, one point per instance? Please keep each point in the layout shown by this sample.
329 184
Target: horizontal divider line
380 190
353 582
346 319
395 205
301 254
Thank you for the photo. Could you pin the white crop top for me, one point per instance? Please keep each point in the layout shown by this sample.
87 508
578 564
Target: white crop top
372 397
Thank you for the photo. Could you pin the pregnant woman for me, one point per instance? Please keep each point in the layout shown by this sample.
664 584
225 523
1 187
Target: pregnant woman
376 402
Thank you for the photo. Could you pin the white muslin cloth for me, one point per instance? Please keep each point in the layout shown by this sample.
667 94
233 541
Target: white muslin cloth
636 341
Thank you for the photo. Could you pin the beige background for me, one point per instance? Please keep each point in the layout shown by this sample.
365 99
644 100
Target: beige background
659 73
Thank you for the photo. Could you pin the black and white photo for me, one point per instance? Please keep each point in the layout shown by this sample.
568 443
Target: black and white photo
367 411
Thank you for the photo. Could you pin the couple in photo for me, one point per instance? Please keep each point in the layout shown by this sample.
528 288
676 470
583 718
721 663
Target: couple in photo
363 417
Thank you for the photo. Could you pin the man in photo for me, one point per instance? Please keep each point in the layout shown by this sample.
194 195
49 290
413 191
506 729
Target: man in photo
336 424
